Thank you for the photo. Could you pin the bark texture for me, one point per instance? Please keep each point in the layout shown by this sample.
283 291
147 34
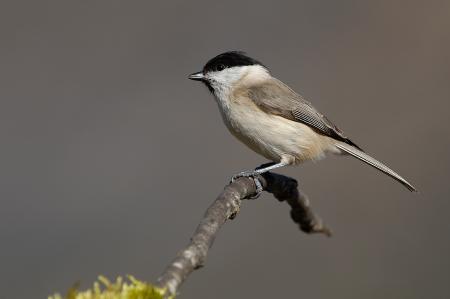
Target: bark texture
226 206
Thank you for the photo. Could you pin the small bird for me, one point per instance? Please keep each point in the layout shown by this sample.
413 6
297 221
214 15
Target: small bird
272 119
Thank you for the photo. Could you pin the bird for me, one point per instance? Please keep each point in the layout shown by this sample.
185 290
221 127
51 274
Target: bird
273 120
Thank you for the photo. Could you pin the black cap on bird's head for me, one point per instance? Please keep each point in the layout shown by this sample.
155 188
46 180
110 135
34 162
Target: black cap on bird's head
223 61
228 59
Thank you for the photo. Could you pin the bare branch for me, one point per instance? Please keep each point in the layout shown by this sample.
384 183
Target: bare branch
225 207
286 189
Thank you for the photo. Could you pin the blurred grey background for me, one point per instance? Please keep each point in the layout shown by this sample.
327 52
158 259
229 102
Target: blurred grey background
110 155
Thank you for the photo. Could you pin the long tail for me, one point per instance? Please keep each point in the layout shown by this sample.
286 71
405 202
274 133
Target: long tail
374 163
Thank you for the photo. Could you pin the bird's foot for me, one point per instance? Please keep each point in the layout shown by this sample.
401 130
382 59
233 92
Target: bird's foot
250 174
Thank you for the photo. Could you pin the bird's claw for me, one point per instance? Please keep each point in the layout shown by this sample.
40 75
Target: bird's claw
250 174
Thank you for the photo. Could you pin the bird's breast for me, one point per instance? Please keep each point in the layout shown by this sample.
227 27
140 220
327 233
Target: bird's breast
272 136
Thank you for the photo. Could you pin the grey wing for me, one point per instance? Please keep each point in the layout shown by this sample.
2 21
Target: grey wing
277 98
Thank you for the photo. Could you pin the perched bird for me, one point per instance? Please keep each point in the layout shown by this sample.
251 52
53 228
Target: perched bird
272 119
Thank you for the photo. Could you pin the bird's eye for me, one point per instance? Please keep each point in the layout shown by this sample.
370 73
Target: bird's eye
220 67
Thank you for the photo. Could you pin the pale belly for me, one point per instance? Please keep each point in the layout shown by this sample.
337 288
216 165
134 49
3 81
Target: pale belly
274 137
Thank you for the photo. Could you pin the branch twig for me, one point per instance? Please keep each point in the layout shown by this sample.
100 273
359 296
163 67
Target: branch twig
225 207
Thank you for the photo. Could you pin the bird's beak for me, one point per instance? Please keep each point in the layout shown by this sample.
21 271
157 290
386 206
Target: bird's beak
197 76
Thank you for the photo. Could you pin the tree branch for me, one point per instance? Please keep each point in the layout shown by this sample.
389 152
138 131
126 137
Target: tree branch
225 207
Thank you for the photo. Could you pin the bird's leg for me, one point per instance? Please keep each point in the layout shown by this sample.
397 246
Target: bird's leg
254 175
265 165
259 170
269 166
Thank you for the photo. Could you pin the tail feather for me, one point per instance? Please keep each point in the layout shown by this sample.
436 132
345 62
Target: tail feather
374 163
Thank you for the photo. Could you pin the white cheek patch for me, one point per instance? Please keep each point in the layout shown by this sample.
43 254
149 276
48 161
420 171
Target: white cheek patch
228 76
223 81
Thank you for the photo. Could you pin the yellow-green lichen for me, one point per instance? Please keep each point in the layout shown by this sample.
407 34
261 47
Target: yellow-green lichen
120 289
